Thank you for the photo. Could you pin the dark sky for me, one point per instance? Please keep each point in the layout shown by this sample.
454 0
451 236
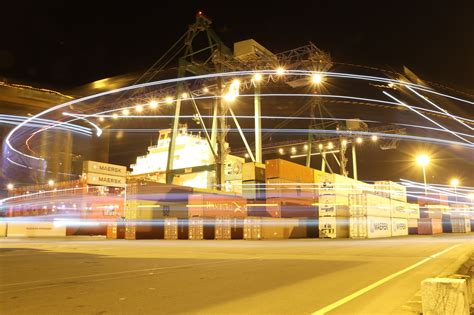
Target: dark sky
63 44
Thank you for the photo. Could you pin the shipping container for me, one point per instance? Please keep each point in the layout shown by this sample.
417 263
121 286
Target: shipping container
369 205
333 227
391 190
213 205
412 226
335 205
144 229
253 171
291 208
283 188
291 171
229 229
429 226
446 223
334 184
253 190
399 209
116 230
35 229
3 228
432 198
461 225
176 229
413 211
399 226
312 227
201 228
370 227
433 211
256 228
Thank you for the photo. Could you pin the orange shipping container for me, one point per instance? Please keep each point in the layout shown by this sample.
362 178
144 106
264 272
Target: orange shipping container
427 226
283 169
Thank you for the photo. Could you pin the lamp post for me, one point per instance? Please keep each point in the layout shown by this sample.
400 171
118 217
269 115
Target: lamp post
455 184
423 160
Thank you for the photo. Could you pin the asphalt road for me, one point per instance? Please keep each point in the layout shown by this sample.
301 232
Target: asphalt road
97 276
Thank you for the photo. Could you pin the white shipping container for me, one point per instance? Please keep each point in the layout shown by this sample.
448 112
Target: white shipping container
333 227
370 227
334 184
398 209
369 205
461 225
391 190
35 229
413 210
399 227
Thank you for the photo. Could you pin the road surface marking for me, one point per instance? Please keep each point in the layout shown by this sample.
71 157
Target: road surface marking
356 294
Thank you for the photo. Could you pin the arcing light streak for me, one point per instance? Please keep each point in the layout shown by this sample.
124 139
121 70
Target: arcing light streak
98 130
440 108
207 76
427 118
40 122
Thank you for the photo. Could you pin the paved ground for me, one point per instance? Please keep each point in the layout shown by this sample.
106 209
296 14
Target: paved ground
97 276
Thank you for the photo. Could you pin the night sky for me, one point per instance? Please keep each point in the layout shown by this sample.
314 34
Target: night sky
63 44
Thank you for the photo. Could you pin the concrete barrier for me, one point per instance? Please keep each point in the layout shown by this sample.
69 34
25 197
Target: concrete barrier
445 296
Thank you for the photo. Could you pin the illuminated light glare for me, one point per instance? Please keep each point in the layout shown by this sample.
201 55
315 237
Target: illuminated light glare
306 147
454 182
359 140
169 100
390 85
344 142
423 160
205 90
50 182
293 150
114 116
101 118
126 112
257 77
374 138
320 146
280 150
10 186
330 145
184 95
153 104
471 196
138 108
247 155
317 78
280 71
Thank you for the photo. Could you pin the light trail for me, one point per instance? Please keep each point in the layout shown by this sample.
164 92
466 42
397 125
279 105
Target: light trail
440 108
98 130
215 75
427 118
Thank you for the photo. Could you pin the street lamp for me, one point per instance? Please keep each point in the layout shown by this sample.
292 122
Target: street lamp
10 186
317 78
51 182
423 160
455 184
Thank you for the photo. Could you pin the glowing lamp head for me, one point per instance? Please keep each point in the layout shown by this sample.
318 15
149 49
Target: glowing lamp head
139 108
257 77
471 196
293 150
374 138
320 146
10 186
359 140
101 118
280 150
317 78
169 100
454 182
184 95
126 112
51 182
344 142
330 146
114 116
306 147
423 160
280 71
247 155
153 104
205 90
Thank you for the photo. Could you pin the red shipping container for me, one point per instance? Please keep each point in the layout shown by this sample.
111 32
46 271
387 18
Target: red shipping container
291 208
216 205
433 199
427 226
